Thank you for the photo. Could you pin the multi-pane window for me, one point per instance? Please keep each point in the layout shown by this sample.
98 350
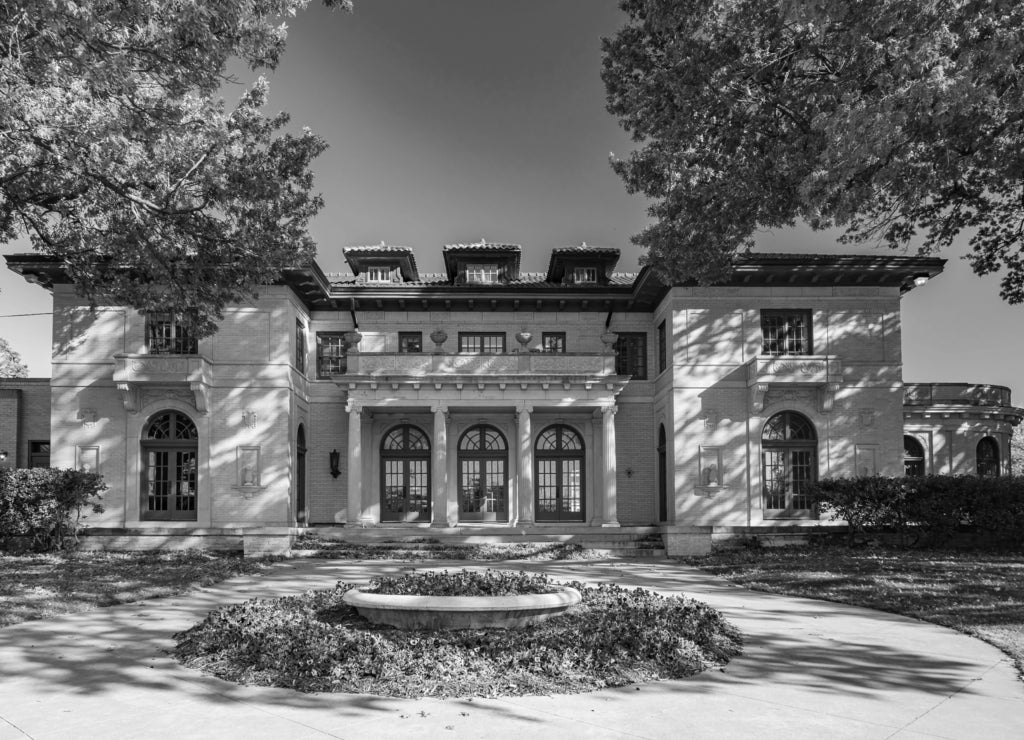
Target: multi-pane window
481 273
913 457
553 341
559 477
481 342
379 274
330 354
300 346
786 332
483 474
170 459
405 475
631 355
165 335
988 458
410 341
39 454
584 275
662 349
789 454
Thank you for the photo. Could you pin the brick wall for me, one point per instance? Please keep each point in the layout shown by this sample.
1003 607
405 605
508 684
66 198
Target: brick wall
24 417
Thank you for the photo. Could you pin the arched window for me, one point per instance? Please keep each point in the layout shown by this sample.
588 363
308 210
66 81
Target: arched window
913 456
170 457
559 480
789 457
483 475
988 458
405 475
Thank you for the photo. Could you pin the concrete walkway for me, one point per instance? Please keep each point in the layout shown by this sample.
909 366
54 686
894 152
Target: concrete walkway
810 670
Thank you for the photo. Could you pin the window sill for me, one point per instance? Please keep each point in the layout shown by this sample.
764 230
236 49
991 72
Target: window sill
790 514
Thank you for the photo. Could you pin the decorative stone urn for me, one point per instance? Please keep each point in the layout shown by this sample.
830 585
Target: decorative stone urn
609 338
353 338
438 337
524 338
410 612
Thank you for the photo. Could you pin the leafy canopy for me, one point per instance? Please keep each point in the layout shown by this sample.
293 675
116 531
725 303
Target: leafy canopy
897 120
118 155
11 365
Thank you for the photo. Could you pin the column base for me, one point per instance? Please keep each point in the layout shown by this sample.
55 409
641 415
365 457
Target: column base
611 524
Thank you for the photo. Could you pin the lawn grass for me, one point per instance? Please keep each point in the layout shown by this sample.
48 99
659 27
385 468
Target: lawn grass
42 586
979 594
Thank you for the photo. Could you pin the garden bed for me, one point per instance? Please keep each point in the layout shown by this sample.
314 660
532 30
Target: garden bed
316 642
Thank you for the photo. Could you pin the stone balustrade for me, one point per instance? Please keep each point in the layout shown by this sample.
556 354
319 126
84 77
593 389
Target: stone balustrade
955 394
506 364
132 373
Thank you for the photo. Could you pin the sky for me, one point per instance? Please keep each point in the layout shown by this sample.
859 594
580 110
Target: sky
452 121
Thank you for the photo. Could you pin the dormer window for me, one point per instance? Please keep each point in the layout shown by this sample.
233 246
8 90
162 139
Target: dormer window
482 274
585 275
379 274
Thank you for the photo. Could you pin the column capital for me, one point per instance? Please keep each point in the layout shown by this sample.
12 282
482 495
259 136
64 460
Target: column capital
524 409
354 407
609 410
439 409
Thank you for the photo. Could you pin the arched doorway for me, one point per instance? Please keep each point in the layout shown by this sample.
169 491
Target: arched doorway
987 458
789 464
559 480
662 475
170 461
913 456
300 476
483 475
405 475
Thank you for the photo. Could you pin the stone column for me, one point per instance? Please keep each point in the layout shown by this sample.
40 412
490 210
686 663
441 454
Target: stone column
355 463
439 469
609 504
525 489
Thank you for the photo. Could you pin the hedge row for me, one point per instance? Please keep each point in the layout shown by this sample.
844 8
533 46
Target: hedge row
43 506
935 506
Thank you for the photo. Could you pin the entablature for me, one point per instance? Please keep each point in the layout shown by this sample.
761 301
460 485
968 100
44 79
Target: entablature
824 372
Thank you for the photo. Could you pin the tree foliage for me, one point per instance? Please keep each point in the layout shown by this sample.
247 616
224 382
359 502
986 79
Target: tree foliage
11 365
898 120
118 154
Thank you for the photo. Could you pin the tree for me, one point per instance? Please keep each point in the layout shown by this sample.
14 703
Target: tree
898 120
119 156
11 365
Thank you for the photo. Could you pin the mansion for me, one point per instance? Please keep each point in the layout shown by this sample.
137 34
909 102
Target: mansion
489 399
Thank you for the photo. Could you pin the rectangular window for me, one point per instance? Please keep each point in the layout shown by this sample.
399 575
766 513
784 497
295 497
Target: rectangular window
331 358
300 346
553 341
378 274
39 454
585 275
481 342
631 355
165 335
481 273
410 342
662 348
786 332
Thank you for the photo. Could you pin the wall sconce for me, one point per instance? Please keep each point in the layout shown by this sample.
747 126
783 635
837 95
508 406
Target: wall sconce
920 280
335 461
629 472
3 455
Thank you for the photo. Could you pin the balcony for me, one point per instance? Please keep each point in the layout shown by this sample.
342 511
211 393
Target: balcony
823 372
526 367
189 376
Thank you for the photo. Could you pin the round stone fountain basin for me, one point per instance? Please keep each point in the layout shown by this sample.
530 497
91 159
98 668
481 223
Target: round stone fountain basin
413 612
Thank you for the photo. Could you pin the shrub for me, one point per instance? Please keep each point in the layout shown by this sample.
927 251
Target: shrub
463 583
44 505
935 506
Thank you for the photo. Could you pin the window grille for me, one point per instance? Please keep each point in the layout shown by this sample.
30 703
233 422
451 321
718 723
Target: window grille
410 342
331 358
913 457
482 342
165 335
300 346
988 458
631 355
585 275
379 274
552 341
481 273
786 333
789 453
